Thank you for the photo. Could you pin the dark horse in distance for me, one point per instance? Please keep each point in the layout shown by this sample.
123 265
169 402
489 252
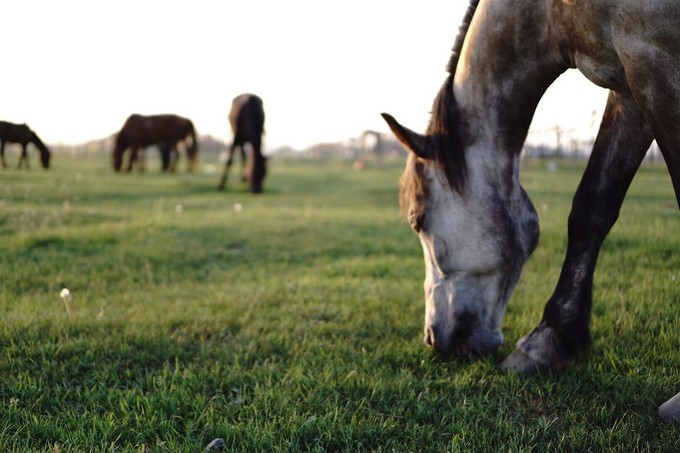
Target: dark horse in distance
23 135
461 184
247 122
166 131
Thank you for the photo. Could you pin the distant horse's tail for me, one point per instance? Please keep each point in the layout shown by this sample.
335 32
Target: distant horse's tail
192 148
44 151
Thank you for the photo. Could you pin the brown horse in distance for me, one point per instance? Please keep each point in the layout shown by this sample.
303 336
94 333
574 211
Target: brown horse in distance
23 135
166 131
247 122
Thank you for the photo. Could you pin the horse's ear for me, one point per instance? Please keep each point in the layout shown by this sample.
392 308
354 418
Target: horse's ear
413 141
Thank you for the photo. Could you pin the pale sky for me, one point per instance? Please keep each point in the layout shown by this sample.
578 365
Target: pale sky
74 70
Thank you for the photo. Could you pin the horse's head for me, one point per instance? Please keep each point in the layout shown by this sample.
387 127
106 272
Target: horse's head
45 158
117 159
257 174
32 137
475 235
118 151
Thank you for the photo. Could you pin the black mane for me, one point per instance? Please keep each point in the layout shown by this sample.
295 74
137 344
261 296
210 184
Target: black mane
460 38
442 130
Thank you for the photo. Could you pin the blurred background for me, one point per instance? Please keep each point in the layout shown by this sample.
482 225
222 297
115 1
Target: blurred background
74 70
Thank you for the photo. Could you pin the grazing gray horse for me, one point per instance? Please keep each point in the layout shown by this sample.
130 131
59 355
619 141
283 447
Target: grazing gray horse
461 182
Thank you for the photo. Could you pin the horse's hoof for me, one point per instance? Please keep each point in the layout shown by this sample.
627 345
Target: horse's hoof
216 445
520 363
538 351
670 410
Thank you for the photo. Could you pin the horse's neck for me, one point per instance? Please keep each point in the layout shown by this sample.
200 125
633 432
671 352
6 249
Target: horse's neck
37 142
506 64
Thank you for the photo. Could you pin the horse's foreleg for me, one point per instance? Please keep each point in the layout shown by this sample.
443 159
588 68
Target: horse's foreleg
164 148
244 164
132 159
258 168
24 157
2 154
227 166
564 333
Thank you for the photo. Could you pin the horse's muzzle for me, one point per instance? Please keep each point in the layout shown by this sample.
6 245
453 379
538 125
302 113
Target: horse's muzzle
453 344
463 340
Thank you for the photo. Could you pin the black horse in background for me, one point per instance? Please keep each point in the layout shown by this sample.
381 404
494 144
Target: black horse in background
166 131
247 122
23 135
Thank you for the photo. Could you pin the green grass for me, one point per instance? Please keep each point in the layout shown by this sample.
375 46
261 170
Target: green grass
295 323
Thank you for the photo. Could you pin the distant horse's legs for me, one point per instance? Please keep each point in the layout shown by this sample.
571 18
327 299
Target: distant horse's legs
563 333
174 156
258 172
2 154
244 163
164 148
258 168
133 157
227 165
24 156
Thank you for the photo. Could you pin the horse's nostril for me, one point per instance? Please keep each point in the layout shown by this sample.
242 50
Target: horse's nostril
428 339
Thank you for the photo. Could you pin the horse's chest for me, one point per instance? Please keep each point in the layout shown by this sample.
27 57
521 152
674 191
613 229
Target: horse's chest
604 71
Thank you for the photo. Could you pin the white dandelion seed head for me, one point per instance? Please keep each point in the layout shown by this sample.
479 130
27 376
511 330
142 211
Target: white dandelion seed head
65 293
238 207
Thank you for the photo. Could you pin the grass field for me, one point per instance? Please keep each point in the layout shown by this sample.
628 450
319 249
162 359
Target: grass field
293 320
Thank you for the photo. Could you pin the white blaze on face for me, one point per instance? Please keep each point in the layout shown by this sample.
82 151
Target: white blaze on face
470 266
